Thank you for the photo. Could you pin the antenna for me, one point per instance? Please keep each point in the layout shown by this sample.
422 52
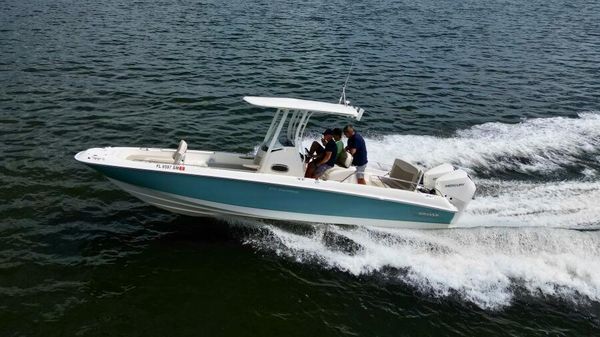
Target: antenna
343 96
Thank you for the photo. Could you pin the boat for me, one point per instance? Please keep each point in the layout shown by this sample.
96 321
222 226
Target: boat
270 184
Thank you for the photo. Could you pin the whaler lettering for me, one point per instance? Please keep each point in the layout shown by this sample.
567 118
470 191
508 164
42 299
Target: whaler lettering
429 214
283 190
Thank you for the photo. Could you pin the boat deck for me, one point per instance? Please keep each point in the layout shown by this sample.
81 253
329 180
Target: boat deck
240 162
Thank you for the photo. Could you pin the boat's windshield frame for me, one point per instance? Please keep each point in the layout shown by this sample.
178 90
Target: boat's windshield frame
296 125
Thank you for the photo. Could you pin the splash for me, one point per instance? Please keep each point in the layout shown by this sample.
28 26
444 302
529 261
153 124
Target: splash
484 266
538 146
559 204
515 237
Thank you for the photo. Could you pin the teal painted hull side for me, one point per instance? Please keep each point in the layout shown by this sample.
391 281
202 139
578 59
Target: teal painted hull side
274 197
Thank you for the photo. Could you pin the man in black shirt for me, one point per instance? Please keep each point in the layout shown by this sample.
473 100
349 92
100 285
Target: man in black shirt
323 163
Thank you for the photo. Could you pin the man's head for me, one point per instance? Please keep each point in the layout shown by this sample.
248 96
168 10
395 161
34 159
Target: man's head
327 134
349 130
337 134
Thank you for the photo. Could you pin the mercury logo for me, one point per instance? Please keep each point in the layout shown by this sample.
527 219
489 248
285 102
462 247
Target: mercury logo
455 185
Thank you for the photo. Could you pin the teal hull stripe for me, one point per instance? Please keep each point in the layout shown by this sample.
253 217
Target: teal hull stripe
274 197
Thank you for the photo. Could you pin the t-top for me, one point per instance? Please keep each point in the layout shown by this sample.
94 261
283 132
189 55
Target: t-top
360 156
331 146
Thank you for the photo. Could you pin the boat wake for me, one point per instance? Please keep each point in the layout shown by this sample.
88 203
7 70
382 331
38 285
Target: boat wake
538 236
534 146
484 266
571 204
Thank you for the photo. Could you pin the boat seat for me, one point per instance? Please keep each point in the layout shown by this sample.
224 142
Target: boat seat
251 166
338 173
403 176
179 155
150 158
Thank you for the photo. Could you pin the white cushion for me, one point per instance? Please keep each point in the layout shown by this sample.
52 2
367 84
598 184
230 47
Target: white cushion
337 173
345 160
179 155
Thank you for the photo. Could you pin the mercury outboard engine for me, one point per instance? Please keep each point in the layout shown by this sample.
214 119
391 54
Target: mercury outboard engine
454 185
433 174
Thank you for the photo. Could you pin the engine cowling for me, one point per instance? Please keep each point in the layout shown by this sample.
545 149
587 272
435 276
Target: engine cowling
457 187
434 173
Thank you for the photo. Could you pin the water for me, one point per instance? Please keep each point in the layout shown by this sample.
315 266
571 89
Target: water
508 90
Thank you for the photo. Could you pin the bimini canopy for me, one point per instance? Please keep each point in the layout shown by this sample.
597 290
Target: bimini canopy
305 105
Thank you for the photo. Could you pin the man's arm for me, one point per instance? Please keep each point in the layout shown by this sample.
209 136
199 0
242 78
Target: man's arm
351 148
326 157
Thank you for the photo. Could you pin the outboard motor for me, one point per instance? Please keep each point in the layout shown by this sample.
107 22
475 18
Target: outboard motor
433 174
454 185
457 187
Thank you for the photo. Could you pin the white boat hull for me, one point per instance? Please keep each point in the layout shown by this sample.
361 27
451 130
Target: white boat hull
198 190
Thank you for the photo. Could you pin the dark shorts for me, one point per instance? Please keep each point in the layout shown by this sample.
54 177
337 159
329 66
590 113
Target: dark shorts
320 170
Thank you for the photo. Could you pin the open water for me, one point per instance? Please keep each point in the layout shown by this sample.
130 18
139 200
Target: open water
509 90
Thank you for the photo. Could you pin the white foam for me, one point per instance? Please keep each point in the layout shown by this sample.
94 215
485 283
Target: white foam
485 266
526 249
589 173
567 204
539 145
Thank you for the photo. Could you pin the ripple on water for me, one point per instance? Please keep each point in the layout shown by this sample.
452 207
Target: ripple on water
507 90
